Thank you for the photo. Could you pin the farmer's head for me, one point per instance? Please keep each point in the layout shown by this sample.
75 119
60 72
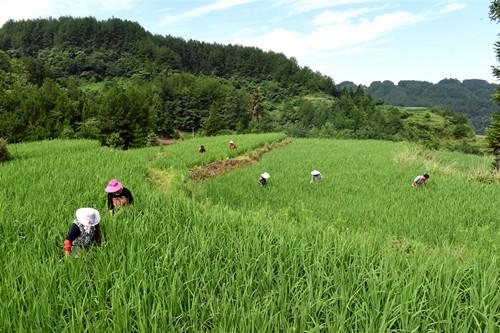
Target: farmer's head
114 186
426 176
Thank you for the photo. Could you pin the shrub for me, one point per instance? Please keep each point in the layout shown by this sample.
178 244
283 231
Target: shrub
67 133
4 152
152 139
89 129
176 135
114 140
465 147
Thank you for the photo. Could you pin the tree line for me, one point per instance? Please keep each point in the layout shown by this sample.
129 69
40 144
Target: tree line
113 81
469 97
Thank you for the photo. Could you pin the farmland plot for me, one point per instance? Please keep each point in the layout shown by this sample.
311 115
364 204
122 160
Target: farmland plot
360 251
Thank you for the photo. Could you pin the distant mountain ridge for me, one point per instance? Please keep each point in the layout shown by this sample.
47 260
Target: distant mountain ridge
470 97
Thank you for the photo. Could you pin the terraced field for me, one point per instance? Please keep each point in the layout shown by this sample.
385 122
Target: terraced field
359 251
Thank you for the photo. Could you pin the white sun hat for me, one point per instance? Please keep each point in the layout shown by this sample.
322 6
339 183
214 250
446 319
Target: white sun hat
89 217
231 141
265 175
315 173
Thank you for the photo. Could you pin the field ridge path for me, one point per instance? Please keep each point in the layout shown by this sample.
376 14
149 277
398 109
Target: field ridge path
221 167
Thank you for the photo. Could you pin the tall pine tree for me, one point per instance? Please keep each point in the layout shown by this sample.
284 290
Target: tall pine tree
257 108
493 136
493 132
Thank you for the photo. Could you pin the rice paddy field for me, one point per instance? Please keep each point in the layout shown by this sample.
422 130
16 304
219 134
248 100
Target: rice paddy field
361 251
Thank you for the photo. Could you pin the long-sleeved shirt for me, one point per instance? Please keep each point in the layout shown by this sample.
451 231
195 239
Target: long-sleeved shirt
82 236
124 198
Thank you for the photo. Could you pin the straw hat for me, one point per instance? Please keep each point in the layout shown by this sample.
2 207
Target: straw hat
315 173
113 186
231 141
89 217
265 175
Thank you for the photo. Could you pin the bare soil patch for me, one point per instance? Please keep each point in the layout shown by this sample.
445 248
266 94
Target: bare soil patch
219 168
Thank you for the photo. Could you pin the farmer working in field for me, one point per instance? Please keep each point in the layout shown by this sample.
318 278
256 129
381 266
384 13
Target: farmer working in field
420 180
232 145
118 196
263 178
201 150
315 176
84 231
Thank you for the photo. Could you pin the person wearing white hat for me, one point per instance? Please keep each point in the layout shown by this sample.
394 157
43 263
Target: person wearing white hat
84 230
232 145
315 176
263 178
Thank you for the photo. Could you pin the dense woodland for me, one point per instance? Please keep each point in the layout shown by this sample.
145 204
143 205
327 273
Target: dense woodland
472 98
113 81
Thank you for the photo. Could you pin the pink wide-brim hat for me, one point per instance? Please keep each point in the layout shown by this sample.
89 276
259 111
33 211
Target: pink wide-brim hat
113 186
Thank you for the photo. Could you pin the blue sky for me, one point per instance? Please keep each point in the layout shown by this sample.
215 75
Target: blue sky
355 40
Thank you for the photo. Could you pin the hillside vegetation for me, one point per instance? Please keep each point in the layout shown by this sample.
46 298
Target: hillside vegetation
360 251
113 81
472 98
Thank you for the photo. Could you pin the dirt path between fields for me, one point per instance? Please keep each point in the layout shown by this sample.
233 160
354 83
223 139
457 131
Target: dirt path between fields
219 168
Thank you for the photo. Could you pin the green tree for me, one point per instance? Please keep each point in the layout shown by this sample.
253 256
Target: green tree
212 123
126 111
493 136
4 152
495 16
257 107
493 132
4 62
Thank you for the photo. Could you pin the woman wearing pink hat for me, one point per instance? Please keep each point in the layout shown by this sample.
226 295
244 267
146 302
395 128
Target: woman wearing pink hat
118 196
84 230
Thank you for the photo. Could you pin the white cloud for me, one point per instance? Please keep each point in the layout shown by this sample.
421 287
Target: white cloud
90 7
25 9
302 6
335 37
354 50
453 7
200 11
335 17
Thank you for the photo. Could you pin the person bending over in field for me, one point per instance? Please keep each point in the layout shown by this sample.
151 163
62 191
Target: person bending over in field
118 196
315 176
263 178
201 150
420 180
84 231
232 145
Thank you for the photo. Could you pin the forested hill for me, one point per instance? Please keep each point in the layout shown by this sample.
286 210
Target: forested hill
114 47
470 97
112 80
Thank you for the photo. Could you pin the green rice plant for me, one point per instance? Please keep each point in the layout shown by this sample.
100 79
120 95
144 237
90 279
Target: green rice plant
185 155
359 251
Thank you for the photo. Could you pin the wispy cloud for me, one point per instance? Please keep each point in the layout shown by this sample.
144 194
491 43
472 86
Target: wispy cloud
453 7
200 11
24 9
341 32
89 7
334 37
335 17
302 6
